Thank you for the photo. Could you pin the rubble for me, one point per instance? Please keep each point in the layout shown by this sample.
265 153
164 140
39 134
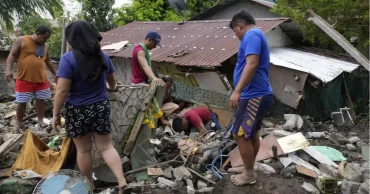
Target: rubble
352 173
364 187
163 183
310 188
325 168
350 147
353 139
181 173
348 187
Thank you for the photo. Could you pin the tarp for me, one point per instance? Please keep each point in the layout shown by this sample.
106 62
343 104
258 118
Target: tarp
35 155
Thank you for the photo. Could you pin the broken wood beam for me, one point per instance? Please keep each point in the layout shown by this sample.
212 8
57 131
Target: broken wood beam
9 144
338 38
140 118
201 176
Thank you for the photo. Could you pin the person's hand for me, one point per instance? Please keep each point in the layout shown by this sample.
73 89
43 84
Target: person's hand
165 122
234 100
110 89
159 81
8 75
55 122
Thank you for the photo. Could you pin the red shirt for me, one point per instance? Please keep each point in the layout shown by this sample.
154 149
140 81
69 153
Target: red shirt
138 75
196 116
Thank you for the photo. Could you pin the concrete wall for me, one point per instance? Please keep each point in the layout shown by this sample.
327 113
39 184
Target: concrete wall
284 87
257 11
277 38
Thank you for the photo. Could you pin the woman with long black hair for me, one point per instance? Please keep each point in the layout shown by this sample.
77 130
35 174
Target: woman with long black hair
83 75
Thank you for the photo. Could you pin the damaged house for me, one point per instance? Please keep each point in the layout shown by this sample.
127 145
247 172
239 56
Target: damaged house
201 55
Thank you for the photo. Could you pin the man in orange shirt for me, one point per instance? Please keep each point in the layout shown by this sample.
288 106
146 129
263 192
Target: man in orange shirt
31 82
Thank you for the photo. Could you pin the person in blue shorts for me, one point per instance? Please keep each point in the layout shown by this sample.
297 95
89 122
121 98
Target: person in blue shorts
252 97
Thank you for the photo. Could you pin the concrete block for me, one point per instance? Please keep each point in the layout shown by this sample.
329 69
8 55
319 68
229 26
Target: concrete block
352 173
349 187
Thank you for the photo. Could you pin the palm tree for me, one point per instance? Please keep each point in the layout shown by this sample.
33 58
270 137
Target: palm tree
10 8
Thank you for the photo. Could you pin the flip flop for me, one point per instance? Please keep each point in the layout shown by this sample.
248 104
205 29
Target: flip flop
236 181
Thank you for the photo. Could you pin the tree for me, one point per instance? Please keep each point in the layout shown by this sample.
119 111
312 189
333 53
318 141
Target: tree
99 13
10 8
348 17
158 10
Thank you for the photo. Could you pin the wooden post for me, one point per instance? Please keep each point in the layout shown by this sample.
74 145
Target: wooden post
338 38
140 118
63 47
67 45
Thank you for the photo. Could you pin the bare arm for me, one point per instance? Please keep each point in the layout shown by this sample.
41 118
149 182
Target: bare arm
111 82
61 94
50 65
248 72
14 53
202 130
144 65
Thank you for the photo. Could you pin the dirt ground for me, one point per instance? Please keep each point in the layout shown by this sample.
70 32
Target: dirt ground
274 184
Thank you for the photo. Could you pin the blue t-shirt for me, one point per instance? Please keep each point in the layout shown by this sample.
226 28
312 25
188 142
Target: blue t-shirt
81 92
254 43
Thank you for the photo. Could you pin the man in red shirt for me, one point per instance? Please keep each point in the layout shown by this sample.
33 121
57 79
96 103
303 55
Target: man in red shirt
196 117
142 72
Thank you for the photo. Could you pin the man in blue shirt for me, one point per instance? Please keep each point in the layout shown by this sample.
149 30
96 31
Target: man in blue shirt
252 97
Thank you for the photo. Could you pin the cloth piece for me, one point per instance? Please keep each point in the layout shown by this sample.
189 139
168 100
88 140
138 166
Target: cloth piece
154 112
249 116
147 56
30 67
169 107
35 155
89 57
40 51
196 116
81 120
83 93
254 43
138 75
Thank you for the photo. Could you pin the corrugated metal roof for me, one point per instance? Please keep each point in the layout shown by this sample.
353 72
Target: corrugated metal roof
324 68
209 42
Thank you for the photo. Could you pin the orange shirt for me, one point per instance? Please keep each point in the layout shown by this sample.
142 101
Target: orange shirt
30 67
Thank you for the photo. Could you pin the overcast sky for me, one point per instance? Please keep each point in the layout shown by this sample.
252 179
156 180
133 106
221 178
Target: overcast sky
74 7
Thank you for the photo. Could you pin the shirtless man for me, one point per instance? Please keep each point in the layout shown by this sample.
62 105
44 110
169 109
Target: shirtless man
32 55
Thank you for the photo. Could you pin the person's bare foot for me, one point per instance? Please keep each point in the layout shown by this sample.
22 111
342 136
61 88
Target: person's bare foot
244 179
239 170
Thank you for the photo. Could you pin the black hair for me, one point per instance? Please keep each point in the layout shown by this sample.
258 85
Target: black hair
167 78
177 124
244 17
43 30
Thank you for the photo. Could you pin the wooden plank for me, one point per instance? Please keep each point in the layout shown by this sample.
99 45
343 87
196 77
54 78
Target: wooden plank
338 38
265 152
10 114
306 171
140 118
349 102
296 160
4 173
10 144
293 143
155 171
226 163
319 156
201 176
341 168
